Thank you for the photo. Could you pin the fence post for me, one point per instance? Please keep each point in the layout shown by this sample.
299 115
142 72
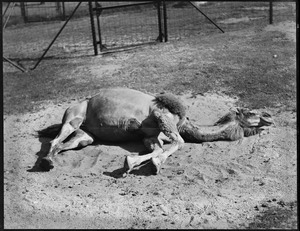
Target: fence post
271 12
93 28
63 11
23 12
58 8
160 36
98 13
165 21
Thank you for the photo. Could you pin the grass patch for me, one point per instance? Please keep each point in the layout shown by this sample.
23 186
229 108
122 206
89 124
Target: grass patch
238 63
276 218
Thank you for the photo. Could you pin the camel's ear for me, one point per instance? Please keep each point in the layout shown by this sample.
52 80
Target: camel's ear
241 111
235 110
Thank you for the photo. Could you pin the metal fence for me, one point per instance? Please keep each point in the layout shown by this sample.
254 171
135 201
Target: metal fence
31 27
127 24
184 20
27 41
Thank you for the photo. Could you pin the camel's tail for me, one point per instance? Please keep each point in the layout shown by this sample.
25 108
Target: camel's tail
50 131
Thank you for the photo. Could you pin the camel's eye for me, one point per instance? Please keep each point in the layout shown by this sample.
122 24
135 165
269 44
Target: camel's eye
265 114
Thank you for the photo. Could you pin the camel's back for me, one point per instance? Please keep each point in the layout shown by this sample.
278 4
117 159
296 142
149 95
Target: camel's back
120 102
109 111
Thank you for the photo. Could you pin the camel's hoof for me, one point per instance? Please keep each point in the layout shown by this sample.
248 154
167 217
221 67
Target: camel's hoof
46 164
157 163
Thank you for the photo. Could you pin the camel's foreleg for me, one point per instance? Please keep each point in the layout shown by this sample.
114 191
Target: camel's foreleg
162 157
169 132
153 144
169 128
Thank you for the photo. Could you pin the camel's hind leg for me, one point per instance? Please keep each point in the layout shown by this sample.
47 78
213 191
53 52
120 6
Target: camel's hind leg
72 120
79 139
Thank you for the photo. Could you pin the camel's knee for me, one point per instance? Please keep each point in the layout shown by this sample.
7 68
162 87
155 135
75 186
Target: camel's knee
80 139
66 130
86 142
55 145
153 143
76 122
55 149
180 141
75 112
70 126
54 142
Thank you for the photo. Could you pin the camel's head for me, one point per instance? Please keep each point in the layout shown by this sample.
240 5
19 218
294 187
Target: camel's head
234 125
250 121
248 118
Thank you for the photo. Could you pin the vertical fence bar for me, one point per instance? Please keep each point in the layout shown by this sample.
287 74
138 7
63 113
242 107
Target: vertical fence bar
271 12
165 21
93 28
63 11
58 8
23 11
159 21
297 45
98 7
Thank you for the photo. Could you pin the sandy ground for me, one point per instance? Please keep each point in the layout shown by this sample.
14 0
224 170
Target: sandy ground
209 185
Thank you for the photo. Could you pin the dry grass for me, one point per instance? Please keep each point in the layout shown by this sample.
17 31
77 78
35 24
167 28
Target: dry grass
236 63
239 62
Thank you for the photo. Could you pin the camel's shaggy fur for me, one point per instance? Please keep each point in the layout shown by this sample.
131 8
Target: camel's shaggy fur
172 103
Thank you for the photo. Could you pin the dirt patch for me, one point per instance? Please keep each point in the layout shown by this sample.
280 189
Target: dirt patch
286 27
265 8
235 20
209 185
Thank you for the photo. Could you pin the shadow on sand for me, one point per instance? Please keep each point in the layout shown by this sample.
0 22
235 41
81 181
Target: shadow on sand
45 146
146 169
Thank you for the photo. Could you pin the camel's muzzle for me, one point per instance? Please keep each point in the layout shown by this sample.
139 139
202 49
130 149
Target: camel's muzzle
266 119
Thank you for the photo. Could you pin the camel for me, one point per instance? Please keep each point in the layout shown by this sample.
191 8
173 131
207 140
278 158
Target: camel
122 114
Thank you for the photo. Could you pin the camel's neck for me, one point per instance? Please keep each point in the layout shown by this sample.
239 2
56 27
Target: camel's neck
228 131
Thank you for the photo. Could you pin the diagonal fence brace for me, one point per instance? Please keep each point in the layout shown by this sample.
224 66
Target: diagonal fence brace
197 8
58 33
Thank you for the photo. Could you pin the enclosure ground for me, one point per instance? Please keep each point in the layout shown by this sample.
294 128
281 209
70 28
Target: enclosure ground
251 183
